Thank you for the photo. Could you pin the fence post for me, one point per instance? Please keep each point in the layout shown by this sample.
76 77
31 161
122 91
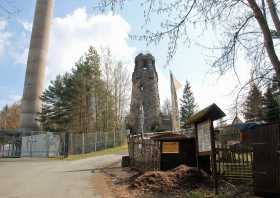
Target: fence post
71 144
47 144
114 137
95 140
106 140
121 134
31 142
83 143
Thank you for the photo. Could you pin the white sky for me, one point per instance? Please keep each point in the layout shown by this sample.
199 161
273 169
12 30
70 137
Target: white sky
74 30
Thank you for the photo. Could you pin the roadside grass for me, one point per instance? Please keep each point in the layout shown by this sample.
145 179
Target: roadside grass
203 194
98 153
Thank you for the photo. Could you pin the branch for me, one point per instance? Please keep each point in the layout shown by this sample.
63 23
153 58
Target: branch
268 42
274 14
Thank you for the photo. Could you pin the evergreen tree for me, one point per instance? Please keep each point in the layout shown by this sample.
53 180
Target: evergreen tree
271 107
81 101
68 101
188 105
253 106
85 78
55 109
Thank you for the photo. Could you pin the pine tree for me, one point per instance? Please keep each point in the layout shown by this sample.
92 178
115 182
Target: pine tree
188 105
271 107
55 111
86 76
253 106
81 101
68 101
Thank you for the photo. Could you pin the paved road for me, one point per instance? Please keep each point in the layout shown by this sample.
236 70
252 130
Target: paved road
43 178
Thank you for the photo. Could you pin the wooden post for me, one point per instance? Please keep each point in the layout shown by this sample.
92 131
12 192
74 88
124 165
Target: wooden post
213 156
196 142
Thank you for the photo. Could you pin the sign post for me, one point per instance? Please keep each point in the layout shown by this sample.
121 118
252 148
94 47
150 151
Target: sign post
205 136
213 157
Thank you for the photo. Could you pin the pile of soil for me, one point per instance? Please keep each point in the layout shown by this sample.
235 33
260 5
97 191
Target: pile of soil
180 177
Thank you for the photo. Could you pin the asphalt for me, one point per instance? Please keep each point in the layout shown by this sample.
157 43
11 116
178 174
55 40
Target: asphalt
44 178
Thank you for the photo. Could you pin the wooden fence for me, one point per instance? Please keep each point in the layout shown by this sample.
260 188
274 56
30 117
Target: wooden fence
235 162
144 153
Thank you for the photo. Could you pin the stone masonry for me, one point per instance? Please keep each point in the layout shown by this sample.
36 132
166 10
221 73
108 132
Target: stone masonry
145 96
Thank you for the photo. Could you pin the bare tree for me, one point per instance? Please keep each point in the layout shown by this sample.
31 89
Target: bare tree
244 25
248 28
8 8
166 107
117 82
9 116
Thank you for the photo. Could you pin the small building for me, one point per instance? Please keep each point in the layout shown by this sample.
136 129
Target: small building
245 129
161 151
176 149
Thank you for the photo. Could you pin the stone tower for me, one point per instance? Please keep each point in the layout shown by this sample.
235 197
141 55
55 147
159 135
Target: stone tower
35 71
145 96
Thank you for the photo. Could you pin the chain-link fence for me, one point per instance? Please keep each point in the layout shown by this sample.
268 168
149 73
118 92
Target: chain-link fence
57 144
95 141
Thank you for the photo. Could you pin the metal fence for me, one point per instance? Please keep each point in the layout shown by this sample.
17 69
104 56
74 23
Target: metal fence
10 144
90 142
56 144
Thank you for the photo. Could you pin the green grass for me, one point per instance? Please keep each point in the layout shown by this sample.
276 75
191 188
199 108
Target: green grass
98 153
200 193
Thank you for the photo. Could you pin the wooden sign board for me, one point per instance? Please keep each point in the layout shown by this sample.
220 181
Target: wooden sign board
204 136
170 147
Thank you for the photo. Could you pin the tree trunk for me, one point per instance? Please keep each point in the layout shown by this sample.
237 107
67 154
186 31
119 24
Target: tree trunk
274 15
268 42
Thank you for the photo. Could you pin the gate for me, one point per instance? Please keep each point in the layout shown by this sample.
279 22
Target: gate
235 162
15 144
266 163
10 144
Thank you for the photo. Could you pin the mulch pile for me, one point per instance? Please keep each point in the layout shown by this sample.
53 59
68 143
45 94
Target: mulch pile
180 177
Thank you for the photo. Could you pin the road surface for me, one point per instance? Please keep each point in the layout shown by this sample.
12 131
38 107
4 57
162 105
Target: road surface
43 178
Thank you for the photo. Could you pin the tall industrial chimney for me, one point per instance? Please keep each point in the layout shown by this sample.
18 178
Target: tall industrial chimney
35 71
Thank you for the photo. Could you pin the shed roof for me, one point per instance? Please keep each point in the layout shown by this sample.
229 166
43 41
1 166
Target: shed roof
212 112
244 127
171 136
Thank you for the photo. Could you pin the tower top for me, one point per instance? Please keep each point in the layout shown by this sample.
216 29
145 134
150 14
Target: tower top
144 61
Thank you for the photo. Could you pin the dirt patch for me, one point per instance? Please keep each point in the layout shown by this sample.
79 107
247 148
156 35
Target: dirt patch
182 182
100 181
180 177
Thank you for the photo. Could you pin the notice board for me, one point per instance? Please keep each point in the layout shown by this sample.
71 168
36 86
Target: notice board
204 136
170 147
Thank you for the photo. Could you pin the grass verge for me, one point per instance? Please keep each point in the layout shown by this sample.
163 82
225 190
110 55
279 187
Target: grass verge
98 153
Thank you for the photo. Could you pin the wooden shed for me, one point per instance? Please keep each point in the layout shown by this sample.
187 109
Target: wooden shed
176 149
